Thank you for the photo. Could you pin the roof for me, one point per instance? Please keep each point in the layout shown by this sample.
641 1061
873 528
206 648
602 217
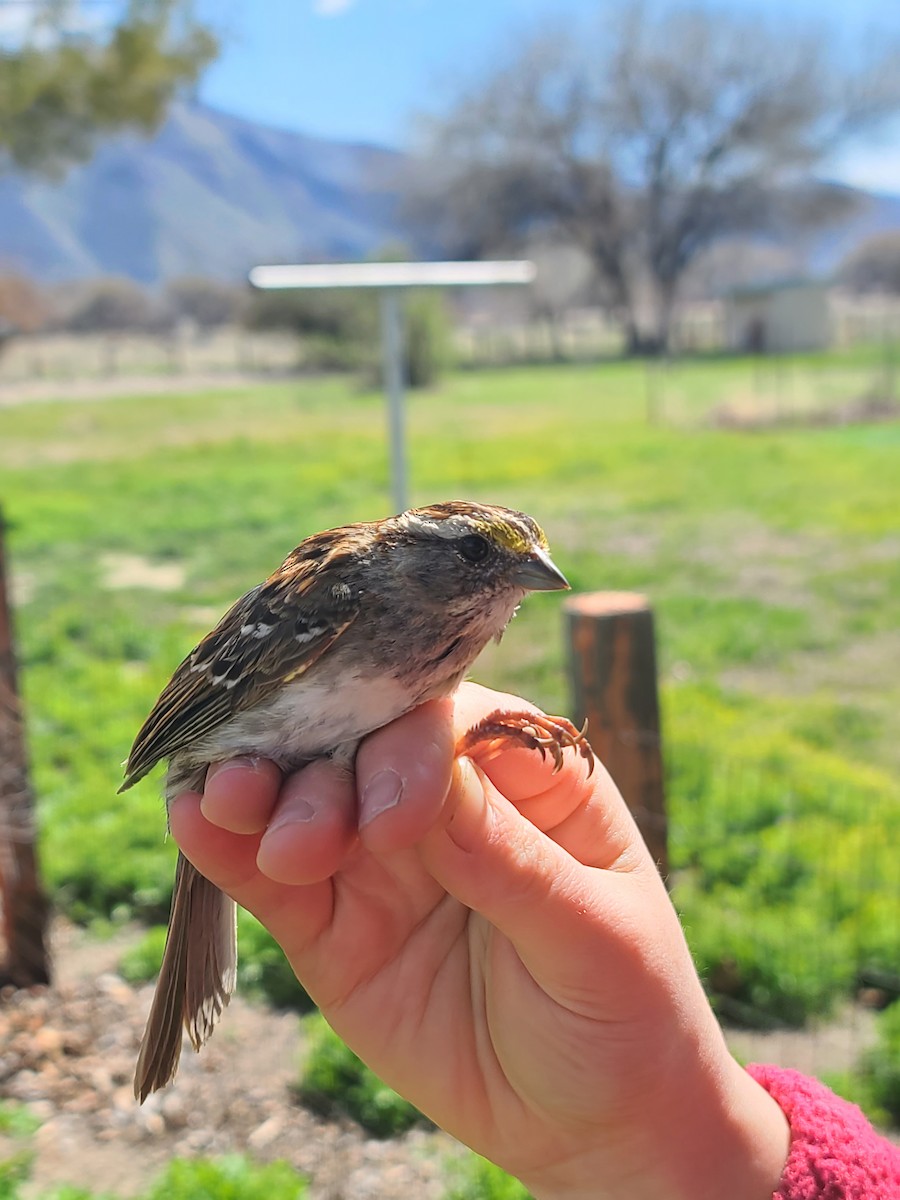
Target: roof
748 291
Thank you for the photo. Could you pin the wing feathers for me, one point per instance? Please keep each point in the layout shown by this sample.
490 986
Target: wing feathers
271 635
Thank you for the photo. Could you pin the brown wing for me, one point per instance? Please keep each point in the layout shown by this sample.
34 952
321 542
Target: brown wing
271 635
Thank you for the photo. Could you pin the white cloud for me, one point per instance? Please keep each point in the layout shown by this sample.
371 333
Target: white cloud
331 8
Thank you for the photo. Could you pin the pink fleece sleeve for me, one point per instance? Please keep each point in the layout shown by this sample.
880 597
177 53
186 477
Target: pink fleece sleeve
835 1153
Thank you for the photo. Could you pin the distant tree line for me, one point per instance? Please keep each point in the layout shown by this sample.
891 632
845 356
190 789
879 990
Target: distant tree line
348 322
111 304
338 330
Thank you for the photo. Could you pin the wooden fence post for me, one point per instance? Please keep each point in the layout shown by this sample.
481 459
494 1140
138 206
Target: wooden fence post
612 669
24 904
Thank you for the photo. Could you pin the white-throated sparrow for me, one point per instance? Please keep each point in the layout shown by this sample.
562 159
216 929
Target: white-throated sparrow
356 627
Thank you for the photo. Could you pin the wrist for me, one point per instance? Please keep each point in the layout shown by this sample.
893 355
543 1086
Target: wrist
720 1134
736 1146
717 1133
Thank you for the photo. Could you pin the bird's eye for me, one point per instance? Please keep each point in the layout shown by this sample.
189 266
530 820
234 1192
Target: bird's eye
474 548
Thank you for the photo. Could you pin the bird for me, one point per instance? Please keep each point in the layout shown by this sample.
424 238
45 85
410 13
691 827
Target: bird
358 625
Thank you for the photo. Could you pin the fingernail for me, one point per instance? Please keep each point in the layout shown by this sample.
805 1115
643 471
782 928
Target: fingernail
297 812
247 763
383 791
466 833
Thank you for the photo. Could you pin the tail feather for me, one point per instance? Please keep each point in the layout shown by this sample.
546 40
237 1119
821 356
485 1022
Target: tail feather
196 978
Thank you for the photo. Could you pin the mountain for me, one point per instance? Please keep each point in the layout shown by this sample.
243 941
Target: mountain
868 214
213 194
209 194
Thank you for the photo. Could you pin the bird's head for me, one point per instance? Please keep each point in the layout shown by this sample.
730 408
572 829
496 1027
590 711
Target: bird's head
458 551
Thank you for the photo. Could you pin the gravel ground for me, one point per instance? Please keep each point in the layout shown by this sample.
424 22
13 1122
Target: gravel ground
69 1051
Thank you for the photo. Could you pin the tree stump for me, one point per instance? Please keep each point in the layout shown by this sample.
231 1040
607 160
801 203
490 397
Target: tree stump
612 668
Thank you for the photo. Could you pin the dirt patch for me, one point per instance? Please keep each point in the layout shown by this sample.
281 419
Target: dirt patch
754 560
620 535
134 571
844 671
117 386
861 410
23 585
835 1047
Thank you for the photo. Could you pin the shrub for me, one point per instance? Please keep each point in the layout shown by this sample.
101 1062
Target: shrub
14 1171
263 969
210 303
765 967
475 1178
855 1085
336 1081
230 1178
17 1120
882 1064
428 343
140 963
346 316
111 304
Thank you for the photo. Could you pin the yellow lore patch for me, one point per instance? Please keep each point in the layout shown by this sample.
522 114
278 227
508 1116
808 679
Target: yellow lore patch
510 536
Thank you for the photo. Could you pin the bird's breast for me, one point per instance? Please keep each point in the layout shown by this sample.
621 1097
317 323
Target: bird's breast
311 717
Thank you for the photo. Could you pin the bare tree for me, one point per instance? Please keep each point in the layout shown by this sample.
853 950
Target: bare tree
23 306
875 265
209 303
734 262
646 142
108 304
562 281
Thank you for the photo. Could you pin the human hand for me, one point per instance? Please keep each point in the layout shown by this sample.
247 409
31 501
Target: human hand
497 944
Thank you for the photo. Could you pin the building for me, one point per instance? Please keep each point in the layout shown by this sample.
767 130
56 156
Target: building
778 318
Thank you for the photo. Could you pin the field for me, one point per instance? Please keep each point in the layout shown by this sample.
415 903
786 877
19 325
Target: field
772 560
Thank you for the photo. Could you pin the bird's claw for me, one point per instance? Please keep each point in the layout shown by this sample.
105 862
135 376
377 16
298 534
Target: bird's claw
534 731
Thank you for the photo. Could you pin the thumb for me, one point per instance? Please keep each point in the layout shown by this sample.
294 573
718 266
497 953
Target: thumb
580 930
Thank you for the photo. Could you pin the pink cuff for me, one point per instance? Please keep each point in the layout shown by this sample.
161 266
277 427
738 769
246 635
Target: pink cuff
835 1153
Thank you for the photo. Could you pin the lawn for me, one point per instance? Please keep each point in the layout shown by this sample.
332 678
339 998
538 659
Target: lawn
771 559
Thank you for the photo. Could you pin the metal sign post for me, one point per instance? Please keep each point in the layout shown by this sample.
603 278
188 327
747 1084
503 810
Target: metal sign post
392 359
390 280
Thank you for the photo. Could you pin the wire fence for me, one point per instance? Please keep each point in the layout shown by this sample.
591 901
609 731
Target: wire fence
790 898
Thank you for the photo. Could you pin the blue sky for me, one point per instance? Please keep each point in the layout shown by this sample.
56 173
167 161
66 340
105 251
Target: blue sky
358 69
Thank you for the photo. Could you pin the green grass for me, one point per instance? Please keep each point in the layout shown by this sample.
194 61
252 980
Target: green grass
17 1120
771 560
336 1082
233 1177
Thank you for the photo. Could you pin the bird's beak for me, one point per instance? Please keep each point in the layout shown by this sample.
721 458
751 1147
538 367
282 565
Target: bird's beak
540 574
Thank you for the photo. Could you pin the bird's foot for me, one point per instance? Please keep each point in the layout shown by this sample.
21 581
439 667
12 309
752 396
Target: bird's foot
534 731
